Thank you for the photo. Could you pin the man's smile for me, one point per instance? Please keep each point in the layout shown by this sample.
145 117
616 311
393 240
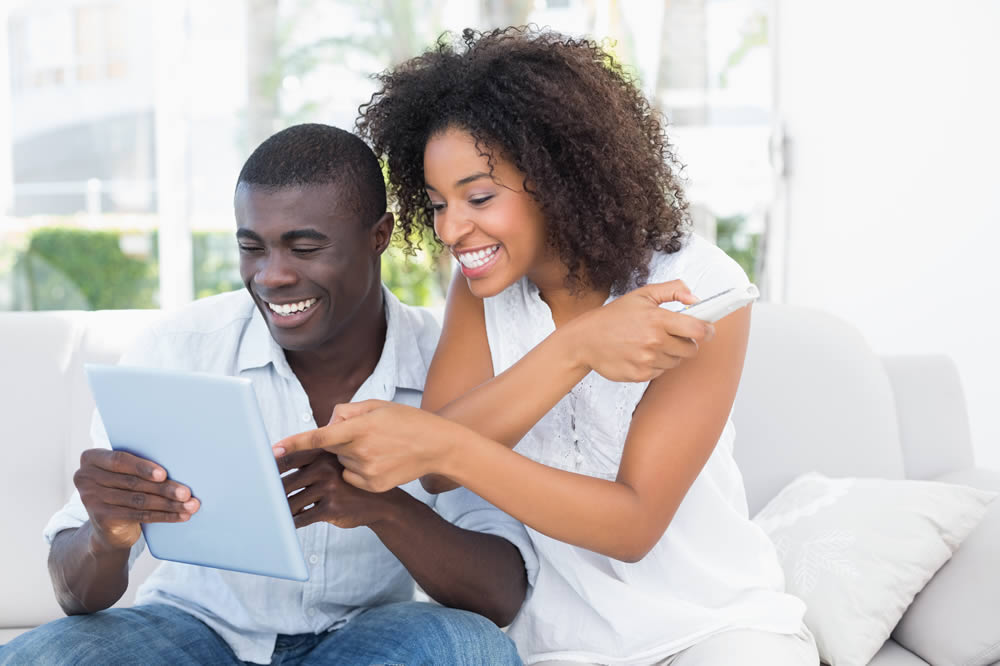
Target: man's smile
286 309
290 314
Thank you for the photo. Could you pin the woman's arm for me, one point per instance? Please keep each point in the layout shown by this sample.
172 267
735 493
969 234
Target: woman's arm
461 385
674 430
631 339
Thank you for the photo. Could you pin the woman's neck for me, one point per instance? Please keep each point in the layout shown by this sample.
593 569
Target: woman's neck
564 303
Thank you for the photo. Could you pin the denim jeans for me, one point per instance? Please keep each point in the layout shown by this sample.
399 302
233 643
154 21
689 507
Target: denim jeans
410 633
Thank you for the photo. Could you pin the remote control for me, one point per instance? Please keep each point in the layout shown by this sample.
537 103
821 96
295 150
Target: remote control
714 308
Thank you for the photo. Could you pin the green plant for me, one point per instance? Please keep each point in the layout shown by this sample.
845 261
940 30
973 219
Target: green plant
82 269
732 237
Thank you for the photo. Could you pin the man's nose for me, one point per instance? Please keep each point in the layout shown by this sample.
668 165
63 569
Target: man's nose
274 271
452 228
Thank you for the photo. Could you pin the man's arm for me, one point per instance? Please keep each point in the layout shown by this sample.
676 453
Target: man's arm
88 565
459 568
87 576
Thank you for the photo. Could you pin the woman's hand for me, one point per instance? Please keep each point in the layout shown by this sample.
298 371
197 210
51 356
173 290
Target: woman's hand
633 339
380 444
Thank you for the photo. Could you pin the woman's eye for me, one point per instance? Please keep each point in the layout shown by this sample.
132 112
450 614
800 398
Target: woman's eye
480 201
437 206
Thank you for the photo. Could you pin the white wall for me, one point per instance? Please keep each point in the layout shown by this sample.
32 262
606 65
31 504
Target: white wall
893 197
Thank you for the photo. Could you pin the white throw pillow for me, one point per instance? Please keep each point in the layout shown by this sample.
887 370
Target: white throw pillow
858 550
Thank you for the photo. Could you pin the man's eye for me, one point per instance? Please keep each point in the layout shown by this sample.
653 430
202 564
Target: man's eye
305 250
249 248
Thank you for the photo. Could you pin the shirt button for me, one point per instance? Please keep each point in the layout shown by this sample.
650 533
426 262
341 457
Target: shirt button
313 559
306 416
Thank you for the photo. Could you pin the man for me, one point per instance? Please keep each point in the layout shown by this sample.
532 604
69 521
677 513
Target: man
314 328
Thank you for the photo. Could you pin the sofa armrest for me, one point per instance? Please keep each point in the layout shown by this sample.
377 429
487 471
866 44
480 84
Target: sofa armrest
954 619
932 415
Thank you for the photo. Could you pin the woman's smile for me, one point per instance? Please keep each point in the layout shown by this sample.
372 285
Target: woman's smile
478 262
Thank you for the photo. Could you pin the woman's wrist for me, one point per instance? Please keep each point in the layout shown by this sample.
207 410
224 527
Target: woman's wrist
452 441
571 344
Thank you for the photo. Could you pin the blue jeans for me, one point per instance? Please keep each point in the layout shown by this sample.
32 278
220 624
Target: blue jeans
409 633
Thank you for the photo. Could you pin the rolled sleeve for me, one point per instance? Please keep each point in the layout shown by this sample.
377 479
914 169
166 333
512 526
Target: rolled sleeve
467 510
74 514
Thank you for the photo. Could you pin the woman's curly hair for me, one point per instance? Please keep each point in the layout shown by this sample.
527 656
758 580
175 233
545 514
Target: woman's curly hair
562 110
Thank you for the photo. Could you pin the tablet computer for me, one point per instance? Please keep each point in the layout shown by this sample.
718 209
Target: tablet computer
207 432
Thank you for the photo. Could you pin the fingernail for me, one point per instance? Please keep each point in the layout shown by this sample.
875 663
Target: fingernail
181 494
159 475
191 505
279 451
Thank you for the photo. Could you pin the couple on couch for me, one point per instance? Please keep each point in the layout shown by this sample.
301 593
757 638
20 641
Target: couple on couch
545 173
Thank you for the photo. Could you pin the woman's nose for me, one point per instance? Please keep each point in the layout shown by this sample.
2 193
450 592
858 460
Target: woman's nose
451 229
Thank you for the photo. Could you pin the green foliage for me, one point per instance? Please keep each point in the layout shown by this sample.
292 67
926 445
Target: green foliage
82 269
413 279
731 236
216 263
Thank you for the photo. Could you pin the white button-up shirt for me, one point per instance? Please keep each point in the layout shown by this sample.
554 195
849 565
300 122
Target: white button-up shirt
349 569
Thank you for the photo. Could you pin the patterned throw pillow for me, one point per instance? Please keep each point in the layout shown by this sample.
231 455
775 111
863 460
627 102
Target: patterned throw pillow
858 550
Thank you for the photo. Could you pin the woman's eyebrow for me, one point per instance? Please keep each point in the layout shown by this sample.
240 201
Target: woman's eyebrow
462 181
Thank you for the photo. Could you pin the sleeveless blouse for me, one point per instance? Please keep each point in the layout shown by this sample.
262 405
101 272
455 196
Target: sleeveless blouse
713 569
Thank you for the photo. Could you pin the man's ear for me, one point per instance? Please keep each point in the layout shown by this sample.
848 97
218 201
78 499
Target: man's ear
381 233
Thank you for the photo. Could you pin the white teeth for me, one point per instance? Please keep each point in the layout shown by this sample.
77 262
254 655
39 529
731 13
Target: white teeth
477 258
290 308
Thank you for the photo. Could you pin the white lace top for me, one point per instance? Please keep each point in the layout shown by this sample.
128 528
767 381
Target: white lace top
711 571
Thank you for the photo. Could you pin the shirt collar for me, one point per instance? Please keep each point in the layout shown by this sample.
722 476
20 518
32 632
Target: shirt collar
402 353
401 365
258 348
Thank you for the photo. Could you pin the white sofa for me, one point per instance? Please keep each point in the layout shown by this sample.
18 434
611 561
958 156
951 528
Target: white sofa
813 397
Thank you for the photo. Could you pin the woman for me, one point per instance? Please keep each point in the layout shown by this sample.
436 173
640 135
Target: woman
564 394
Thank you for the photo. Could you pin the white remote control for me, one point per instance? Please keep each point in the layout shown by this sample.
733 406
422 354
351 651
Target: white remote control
714 308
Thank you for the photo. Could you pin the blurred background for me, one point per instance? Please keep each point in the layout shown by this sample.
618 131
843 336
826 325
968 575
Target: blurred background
844 153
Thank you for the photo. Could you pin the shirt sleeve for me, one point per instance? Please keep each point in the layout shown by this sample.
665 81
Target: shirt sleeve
145 352
467 510
719 272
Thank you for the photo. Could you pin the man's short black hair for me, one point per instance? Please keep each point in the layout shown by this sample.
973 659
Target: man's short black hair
315 154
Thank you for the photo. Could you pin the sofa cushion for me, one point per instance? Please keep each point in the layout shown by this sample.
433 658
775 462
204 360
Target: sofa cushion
933 421
37 350
893 654
956 618
813 397
857 551
46 407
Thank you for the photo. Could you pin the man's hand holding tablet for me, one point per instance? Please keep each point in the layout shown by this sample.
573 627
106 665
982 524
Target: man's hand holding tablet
121 492
212 440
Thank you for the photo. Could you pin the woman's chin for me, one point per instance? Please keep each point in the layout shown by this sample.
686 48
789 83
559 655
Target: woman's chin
488 286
